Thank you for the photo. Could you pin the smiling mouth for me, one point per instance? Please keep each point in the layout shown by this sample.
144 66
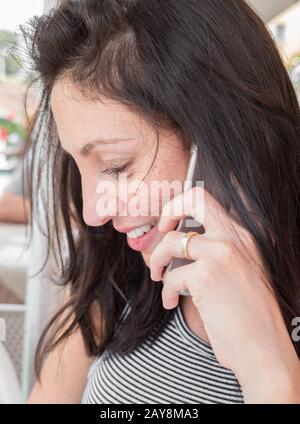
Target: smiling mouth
141 230
126 230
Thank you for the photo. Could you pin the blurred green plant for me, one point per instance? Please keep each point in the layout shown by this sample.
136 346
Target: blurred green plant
15 132
12 63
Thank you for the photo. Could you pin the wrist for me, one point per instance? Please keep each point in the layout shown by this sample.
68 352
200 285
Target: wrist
277 384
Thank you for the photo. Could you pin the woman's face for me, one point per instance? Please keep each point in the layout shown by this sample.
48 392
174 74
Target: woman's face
104 135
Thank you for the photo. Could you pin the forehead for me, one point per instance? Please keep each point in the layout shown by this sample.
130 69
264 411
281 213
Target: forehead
66 97
79 119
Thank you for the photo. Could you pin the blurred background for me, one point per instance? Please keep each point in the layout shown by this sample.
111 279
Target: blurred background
27 300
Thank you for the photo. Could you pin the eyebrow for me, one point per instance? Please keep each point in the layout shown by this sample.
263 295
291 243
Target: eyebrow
90 146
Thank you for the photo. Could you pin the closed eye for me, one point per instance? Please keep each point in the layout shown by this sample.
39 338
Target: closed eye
116 170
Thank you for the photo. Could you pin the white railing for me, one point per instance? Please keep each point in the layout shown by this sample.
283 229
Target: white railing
10 390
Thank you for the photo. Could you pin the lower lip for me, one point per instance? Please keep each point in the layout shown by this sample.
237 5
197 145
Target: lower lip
143 242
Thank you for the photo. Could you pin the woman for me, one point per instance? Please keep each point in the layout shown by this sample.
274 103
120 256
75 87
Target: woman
127 87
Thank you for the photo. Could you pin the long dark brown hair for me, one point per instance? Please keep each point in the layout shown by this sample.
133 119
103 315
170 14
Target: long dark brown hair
208 69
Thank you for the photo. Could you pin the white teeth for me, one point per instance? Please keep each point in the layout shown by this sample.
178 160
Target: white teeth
137 232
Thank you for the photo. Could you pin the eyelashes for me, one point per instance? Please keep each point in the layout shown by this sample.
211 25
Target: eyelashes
116 170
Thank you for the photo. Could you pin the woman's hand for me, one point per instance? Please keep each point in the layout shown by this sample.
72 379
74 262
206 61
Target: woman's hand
234 299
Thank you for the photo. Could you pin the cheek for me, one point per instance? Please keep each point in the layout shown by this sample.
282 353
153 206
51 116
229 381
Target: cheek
166 182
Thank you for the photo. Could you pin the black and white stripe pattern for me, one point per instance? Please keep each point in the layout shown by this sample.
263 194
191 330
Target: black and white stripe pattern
178 367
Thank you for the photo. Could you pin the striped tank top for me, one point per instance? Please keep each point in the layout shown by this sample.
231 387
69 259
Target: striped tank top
178 367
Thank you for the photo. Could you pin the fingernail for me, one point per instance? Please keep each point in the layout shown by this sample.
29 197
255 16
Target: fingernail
167 305
170 303
153 277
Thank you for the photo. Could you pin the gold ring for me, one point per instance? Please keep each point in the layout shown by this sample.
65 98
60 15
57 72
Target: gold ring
184 243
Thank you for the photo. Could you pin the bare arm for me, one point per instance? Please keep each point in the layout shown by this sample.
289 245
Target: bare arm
64 373
14 208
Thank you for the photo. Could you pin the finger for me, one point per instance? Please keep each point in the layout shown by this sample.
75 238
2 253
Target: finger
182 278
204 208
170 247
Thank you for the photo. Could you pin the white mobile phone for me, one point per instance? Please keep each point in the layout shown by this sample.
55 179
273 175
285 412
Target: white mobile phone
188 223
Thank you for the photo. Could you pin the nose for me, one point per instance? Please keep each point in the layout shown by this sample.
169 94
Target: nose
94 215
